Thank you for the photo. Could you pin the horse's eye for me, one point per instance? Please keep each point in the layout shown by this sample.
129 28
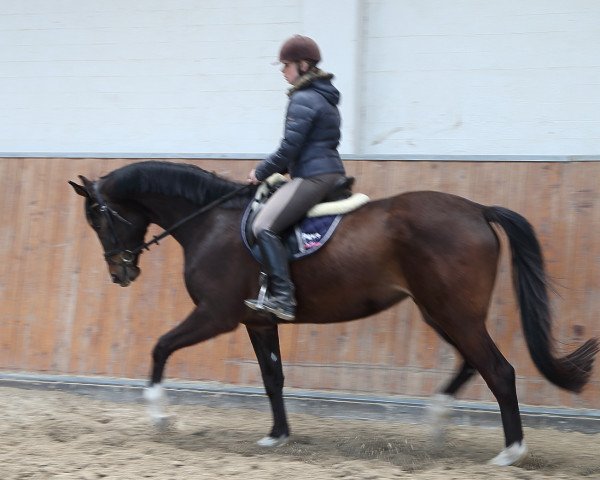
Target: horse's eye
92 223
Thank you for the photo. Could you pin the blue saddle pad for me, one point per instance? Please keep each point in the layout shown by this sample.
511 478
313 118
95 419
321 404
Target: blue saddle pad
301 240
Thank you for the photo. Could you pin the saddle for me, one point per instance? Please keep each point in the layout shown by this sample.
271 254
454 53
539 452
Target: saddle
313 231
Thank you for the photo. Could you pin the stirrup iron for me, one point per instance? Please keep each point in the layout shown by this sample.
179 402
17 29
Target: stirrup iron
259 303
263 281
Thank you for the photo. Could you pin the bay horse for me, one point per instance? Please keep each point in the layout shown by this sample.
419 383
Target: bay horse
438 249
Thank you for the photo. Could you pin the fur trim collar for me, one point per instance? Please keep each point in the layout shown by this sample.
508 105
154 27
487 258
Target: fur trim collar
308 78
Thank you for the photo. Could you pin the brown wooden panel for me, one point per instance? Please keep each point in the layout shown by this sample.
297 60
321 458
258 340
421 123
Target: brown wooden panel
61 314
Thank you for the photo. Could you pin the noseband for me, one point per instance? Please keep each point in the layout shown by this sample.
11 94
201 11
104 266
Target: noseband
125 257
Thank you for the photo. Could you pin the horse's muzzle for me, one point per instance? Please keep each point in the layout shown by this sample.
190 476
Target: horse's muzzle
124 274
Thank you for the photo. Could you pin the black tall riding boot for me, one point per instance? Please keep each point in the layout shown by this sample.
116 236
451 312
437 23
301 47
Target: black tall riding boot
280 299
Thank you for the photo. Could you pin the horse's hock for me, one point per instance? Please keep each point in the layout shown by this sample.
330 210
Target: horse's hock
61 314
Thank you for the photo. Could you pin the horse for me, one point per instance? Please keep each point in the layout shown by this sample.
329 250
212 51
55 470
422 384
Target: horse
438 249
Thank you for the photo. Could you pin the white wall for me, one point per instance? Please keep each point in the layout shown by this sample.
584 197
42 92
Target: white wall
483 77
142 76
463 77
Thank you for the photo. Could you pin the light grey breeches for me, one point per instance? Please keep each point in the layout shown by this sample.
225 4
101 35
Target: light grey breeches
291 202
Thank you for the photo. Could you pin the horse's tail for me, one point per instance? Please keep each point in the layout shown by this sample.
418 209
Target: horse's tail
572 371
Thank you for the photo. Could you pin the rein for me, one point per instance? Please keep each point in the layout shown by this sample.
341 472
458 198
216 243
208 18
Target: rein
206 208
128 256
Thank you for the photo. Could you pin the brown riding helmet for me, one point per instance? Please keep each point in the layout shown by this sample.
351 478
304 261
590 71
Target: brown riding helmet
300 48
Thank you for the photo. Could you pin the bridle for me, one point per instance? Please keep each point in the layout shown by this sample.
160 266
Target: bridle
124 257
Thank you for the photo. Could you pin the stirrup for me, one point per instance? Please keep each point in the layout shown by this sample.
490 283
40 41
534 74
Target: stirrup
264 304
256 305
259 303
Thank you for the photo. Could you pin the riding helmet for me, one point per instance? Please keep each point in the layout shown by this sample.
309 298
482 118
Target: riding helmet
299 48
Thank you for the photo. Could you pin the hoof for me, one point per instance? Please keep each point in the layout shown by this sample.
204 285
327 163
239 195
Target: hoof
440 408
438 413
163 423
154 394
438 436
270 442
512 455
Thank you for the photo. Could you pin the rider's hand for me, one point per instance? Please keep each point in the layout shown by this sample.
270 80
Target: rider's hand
252 178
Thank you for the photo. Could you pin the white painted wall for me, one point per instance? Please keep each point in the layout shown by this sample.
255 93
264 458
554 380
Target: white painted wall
483 77
423 77
142 76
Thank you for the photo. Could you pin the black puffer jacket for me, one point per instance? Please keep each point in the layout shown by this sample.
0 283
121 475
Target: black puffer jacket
312 131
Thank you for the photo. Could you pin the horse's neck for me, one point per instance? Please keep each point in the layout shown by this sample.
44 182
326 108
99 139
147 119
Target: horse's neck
166 212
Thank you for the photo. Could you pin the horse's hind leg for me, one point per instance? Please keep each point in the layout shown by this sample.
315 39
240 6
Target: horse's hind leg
440 407
462 376
480 351
467 333
265 341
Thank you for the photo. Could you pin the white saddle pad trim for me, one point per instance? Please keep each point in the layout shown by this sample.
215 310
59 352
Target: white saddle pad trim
328 208
340 206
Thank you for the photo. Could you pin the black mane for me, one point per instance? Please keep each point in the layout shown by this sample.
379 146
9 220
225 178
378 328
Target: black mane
182 180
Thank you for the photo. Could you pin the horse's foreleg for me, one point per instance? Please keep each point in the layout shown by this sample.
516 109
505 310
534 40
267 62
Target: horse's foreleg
266 346
197 327
156 401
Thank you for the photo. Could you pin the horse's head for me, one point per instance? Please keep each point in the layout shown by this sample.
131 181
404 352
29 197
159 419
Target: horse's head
120 228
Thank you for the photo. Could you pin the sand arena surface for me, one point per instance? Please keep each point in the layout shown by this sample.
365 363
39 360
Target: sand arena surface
49 434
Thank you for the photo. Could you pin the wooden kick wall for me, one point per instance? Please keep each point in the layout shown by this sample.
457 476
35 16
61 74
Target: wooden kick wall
59 312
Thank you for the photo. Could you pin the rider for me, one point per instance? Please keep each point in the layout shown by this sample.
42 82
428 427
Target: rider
308 152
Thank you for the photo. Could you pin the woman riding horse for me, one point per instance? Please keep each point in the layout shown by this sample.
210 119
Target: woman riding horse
308 151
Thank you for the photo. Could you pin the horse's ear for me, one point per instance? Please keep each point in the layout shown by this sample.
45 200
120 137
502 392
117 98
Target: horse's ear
86 183
79 189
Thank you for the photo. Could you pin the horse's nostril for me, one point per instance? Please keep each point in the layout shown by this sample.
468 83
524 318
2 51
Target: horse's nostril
115 279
